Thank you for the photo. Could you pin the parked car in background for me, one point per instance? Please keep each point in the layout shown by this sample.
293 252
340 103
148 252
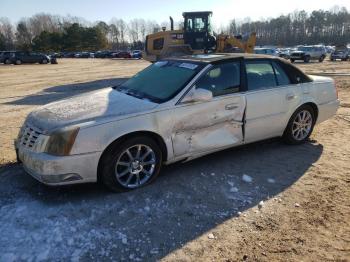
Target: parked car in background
342 53
330 49
174 110
22 57
123 54
84 55
5 57
136 54
308 53
265 51
284 53
56 55
69 54
103 54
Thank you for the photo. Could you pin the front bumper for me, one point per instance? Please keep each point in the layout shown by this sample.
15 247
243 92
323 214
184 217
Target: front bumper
59 170
338 57
297 57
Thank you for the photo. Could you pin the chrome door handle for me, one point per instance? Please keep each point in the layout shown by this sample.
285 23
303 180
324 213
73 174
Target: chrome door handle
231 107
290 96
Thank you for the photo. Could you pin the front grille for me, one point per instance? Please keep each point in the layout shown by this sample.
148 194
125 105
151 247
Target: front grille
29 136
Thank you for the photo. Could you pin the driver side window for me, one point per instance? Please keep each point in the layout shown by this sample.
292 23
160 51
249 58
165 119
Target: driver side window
221 79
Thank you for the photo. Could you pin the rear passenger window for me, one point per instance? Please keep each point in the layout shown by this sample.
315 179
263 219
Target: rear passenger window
222 79
260 75
295 75
282 78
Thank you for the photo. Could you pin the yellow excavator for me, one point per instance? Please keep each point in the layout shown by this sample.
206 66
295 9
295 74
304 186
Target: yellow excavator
196 37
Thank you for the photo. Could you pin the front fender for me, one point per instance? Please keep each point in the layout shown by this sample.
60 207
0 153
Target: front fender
98 137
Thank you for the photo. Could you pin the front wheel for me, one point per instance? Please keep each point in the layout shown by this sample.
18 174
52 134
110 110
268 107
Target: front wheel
18 62
292 60
300 126
44 61
321 59
307 59
131 164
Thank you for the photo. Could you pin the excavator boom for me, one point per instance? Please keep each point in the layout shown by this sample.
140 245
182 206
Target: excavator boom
226 42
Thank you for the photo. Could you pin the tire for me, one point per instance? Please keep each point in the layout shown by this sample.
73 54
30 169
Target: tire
292 60
44 61
291 136
18 62
120 173
321 59
307 59
7 62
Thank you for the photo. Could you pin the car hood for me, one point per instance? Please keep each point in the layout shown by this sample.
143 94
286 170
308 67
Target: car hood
90 107
339 53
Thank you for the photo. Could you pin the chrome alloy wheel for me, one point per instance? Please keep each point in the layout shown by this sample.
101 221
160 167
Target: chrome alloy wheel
302 125
135 166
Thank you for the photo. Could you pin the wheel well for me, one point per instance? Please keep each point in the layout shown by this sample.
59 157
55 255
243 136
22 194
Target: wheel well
157 138
314 108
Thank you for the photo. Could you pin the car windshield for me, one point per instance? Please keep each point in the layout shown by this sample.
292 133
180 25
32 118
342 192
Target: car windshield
161 81
305 48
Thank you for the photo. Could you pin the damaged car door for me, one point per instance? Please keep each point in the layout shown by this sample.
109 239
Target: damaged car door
209 117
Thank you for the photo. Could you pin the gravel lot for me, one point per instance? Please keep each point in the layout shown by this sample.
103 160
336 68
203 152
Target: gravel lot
266 201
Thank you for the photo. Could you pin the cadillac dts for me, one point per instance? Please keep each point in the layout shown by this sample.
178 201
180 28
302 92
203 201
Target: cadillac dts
175 110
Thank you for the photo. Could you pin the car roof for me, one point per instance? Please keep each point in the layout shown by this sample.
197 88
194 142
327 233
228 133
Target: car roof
217 57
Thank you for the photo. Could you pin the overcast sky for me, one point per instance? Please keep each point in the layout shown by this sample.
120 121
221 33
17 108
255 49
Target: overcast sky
159 10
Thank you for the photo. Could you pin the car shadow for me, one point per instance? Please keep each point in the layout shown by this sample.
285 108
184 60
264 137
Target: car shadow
52 94
186 201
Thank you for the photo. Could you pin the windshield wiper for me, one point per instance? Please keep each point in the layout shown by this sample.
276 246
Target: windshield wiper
137 94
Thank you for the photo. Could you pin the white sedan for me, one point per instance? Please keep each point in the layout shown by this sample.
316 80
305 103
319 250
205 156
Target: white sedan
174 110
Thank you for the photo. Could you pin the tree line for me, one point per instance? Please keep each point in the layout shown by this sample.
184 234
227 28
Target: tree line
48 33
328 27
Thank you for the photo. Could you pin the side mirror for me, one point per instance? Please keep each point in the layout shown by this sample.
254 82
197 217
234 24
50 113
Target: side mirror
198 95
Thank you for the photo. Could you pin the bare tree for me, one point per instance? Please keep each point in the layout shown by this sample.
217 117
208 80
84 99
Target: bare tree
7 31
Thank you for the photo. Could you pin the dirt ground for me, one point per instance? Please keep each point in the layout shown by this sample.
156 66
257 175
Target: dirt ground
199 211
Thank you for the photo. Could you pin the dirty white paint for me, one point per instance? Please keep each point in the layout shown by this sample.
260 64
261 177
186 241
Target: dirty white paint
189 130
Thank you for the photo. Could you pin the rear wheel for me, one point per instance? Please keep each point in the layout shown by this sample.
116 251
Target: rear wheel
300 126
292 60
131 164
7 61
18 62
307 59
44 61
321 59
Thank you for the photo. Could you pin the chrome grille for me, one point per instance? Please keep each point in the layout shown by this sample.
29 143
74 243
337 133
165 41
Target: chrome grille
29 136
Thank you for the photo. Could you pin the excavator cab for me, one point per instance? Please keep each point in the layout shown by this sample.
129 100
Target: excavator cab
198 32
196 37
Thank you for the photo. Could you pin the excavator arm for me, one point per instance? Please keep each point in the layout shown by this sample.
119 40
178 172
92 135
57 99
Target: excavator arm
226 42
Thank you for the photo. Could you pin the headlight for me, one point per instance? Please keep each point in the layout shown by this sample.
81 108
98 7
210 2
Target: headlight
61 142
